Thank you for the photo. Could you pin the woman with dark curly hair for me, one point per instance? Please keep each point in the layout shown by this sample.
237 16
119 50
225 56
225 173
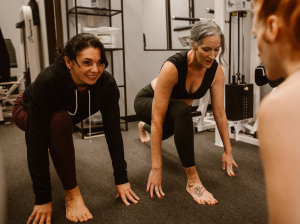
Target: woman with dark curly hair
65 93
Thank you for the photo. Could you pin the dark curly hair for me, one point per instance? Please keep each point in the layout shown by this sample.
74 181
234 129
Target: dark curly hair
77 44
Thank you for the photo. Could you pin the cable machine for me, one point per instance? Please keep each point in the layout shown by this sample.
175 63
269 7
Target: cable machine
238 93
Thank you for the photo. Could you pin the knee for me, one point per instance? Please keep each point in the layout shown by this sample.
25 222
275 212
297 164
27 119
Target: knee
183 111
19 113
136 104
60 120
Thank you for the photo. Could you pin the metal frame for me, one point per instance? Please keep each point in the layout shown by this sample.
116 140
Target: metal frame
169 25
241 125
204 122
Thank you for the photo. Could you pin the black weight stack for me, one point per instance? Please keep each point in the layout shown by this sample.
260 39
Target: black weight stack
239 101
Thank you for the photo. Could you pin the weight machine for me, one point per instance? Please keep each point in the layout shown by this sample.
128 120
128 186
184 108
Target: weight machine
29 16
239 96
30 56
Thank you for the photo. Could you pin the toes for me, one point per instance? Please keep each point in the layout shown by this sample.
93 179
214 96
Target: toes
85 217
90 216
200 202
73 219
82 219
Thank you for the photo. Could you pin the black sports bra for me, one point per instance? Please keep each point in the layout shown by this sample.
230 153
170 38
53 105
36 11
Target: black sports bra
179 90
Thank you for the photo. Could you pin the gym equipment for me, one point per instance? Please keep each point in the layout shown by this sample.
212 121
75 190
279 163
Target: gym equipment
239 5
183 32
30 54
205 121
238 94
261 78
7 88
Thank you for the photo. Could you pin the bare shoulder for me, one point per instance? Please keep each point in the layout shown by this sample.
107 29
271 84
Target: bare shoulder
219 77
278 114
168 74
283 101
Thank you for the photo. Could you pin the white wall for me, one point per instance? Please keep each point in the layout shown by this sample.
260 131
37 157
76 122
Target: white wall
154 23
143 66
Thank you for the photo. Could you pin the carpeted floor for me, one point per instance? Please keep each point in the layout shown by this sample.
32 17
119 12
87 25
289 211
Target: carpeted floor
242 199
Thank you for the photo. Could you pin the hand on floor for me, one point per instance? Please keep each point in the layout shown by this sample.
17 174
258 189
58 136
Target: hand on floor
154 183
41 214
125 192
228 160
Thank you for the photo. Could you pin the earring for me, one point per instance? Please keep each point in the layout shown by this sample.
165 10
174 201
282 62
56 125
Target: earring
69 67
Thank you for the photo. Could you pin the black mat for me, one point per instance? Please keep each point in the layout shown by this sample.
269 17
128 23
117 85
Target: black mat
241 199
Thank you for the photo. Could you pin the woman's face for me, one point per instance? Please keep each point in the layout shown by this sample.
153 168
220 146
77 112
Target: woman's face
90 70
207 50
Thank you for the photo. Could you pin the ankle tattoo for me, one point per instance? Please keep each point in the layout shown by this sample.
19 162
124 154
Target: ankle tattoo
198 191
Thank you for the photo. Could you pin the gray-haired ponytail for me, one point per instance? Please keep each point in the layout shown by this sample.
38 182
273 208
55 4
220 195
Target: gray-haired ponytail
206 28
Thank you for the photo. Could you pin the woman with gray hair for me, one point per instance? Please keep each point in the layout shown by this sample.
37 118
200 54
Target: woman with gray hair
164 107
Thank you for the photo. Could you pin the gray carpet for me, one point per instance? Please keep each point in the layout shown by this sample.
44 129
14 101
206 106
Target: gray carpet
242 199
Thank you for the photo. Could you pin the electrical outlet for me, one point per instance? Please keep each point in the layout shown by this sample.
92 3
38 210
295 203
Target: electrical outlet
90 21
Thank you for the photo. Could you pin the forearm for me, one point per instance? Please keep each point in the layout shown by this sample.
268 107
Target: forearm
223 130
115 144
37 141
156 139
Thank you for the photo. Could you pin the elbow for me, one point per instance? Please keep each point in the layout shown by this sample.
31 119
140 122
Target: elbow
219 114
156 123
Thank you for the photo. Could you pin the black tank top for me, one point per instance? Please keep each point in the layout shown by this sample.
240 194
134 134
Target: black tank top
179 90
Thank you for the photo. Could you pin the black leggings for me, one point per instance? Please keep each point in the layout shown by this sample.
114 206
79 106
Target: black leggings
178 122
61 145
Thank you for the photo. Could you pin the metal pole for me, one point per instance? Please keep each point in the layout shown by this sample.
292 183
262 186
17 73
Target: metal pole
229 68
76 25
243 41
124 69
68 31
233 46
185 18
168 20
111 52
191 10
238 17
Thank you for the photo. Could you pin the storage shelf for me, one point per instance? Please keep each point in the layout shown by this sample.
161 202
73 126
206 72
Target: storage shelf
93 11
83 126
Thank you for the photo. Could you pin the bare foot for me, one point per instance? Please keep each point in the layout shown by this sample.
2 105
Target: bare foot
75 207
199 193
144 137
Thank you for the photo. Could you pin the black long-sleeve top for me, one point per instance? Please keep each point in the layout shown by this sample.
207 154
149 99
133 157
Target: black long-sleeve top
54 89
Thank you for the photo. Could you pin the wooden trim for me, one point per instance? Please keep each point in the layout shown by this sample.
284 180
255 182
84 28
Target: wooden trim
50 25
58 22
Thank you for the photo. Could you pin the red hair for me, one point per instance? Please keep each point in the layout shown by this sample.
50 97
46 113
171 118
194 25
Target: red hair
287 10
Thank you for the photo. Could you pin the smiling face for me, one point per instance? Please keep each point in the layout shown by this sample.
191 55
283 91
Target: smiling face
207 50
89 70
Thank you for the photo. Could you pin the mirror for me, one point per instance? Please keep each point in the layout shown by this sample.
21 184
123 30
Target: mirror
157 34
